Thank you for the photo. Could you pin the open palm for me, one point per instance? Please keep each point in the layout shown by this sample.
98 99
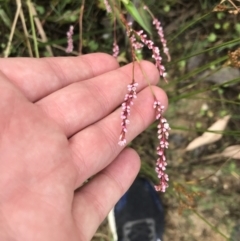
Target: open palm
59 126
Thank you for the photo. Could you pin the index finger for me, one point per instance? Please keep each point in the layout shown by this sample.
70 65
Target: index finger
37 78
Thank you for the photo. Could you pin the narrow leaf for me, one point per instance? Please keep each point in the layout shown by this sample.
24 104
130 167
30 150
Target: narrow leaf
136 15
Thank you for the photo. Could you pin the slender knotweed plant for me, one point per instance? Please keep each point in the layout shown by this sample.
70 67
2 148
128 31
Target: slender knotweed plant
138 39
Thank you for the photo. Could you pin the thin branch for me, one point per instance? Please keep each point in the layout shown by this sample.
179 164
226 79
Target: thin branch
25 31
210 225
7 51
55 46
102 236
33 28
233 5
210 175
40 28
81 27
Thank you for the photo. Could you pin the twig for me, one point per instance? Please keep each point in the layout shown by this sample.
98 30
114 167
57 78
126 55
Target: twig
40 28
49 12
145 77
234 5
210 225
33 28
101 235
25 31
81 27
212 174
55 46
7 51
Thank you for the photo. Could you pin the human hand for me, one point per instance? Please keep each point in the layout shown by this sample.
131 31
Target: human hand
59 126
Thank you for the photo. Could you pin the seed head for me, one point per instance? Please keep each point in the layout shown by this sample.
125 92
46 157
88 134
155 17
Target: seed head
126 108
163 133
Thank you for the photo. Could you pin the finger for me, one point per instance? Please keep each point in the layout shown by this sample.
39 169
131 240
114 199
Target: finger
84 103
37 78
93 201
97 145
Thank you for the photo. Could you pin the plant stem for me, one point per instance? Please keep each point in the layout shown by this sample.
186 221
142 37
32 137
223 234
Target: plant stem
81 27
210 225
33 29
25 31
7 51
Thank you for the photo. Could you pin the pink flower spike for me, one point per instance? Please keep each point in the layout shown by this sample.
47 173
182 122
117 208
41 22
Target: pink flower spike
159 29
69 48
155 51
163 133
115 49
126 107
107 6
145 7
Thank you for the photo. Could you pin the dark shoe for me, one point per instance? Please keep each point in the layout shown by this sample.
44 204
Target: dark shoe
139 213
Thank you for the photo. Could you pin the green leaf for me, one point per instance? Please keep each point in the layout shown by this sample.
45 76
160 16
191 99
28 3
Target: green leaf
135 14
